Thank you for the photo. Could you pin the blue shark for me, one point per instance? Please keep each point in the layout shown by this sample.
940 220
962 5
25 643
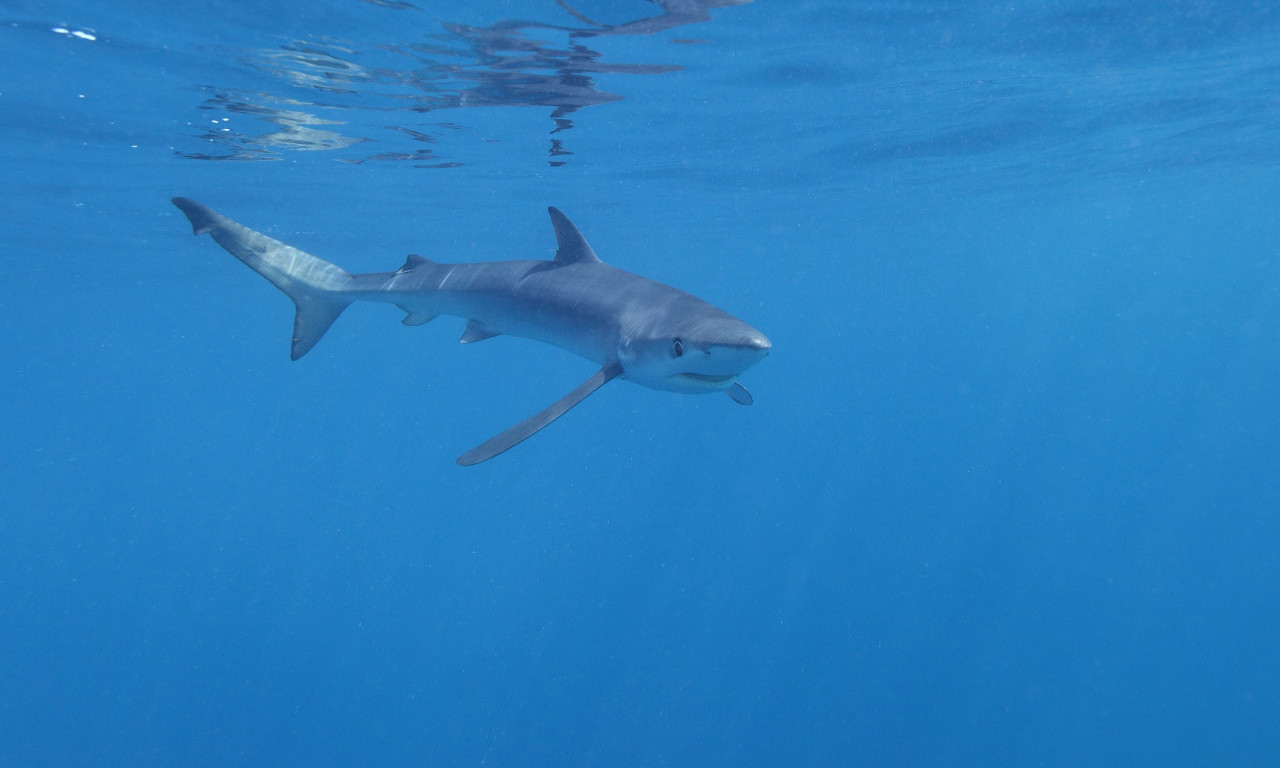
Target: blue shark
634 328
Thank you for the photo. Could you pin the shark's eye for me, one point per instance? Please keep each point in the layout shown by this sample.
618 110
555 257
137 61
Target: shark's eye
677 348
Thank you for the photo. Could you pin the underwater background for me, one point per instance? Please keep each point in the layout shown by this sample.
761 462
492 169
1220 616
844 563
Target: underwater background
1007 495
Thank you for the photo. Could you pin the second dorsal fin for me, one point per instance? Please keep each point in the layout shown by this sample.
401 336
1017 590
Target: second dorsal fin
414 260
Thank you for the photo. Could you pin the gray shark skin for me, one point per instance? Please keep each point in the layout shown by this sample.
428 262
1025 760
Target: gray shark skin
634 328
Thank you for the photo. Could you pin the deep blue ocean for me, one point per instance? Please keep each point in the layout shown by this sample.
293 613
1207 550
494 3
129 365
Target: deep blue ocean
1008 494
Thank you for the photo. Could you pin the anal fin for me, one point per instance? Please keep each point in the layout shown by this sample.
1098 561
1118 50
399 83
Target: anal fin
477 331
414 317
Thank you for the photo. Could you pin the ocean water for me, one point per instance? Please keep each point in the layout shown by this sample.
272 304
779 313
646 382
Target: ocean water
1007 495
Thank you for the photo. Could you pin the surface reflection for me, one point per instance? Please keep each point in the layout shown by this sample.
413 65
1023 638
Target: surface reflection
332 90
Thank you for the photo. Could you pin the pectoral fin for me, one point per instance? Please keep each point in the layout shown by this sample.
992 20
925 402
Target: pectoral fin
525 429
739 394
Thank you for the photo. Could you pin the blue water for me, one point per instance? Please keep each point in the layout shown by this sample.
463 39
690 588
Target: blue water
1007 496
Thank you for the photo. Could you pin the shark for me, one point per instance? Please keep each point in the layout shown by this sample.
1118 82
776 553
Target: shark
634 328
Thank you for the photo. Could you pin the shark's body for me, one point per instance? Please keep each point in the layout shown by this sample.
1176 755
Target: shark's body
633 327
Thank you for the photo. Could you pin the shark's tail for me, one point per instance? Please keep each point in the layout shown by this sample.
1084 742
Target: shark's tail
319 289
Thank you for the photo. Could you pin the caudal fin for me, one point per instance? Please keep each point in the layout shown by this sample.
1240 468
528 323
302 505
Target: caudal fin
319 289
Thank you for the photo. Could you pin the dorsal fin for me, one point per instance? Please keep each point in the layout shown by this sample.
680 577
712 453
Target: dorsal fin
414 260
574 248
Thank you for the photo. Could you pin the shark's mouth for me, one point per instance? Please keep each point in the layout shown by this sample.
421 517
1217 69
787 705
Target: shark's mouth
707 377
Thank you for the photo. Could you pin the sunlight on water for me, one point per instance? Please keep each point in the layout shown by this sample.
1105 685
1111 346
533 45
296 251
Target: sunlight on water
505 64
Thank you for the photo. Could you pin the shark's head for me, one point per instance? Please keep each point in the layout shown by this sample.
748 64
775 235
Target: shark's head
690 347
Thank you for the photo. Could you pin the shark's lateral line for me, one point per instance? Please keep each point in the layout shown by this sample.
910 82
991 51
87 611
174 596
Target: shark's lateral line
633 327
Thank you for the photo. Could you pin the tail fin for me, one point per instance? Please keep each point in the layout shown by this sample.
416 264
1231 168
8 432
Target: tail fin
316 286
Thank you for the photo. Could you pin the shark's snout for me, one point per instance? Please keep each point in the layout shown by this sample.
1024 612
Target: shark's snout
750 345
759 343
734 353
